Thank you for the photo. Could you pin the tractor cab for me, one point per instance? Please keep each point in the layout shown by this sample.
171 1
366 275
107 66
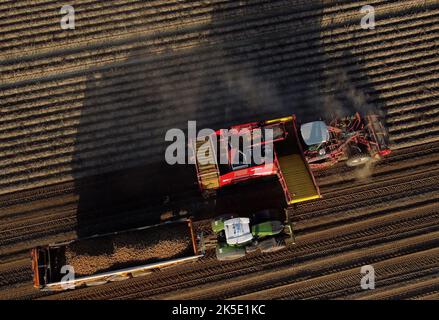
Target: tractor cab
237 231
354 139
314 133
266 230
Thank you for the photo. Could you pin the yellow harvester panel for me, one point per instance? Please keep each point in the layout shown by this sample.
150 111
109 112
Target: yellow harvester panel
297 178
208 172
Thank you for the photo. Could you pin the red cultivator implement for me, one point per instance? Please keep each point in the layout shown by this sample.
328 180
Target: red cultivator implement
352 139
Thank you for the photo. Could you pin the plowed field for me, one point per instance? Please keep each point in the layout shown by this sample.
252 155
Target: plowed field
84 112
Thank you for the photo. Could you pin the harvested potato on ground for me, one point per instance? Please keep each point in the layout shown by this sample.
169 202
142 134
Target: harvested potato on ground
128 249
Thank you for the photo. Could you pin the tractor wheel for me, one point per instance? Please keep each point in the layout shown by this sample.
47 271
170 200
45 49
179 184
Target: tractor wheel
271 245
357 160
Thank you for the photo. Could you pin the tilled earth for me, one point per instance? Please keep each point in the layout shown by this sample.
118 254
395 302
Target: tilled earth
84 112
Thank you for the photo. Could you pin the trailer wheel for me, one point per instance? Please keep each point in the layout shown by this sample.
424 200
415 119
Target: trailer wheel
357 160
271 245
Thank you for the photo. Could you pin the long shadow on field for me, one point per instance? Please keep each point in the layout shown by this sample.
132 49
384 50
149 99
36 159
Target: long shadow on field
252 63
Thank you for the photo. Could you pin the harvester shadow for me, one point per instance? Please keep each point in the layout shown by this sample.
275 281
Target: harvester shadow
123 180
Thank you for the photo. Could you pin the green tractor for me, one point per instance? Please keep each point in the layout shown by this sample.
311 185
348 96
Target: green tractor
263 231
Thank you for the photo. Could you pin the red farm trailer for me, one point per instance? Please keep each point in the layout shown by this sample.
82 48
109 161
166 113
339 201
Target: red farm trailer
114 256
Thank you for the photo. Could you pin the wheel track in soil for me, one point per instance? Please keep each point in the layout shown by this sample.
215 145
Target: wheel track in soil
34 292
409 160
259 283
15 272
414 289
432 295
21 292
410 277
335 285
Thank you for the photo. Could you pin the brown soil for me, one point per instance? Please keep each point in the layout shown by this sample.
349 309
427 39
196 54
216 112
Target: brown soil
92 103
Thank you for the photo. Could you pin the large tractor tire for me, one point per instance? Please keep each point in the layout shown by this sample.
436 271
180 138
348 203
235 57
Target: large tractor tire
271 245
225 252
357 160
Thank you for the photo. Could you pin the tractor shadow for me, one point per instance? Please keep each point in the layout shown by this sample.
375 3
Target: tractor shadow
230 76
